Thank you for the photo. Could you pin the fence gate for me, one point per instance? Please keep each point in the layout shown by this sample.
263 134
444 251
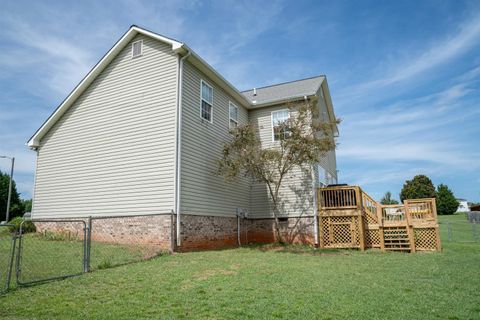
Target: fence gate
56 250
7 251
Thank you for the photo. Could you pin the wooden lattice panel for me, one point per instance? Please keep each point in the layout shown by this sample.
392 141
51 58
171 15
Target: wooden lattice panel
372 238
371 219
340 231
425 238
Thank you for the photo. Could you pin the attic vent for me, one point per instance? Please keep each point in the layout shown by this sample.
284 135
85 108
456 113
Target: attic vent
137 48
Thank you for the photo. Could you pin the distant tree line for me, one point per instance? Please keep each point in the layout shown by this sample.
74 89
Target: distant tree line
422 187
18 206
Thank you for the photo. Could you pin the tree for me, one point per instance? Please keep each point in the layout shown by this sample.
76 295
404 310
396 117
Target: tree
387 199
446 201
419 187
16 207
301 142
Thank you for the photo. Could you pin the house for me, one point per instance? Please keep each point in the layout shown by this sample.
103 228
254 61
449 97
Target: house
463 205
141 133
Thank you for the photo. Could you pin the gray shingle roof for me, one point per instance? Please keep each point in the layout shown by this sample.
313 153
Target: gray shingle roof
285 91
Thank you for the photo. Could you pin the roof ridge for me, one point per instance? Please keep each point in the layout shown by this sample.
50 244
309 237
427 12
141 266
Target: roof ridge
286 82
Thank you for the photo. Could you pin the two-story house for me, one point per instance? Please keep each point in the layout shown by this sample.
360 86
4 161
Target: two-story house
141 135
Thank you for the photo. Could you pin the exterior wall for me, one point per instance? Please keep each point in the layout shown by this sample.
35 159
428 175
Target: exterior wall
296 192
152 230
214 232
329 161
113 151
203 192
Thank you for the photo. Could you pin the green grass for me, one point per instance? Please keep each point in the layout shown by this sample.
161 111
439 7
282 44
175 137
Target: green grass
266 282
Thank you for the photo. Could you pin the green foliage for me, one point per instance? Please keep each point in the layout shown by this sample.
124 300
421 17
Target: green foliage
27 226
27 205
419 187
304 140
16 206
387 199
446 201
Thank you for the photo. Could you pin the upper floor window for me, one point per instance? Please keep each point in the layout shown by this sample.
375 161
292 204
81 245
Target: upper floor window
279 124
206 107
137 48
233 115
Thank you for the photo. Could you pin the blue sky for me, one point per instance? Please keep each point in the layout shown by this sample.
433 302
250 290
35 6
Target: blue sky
404 75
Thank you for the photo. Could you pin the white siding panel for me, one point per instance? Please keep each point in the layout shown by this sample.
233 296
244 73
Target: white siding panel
296 193
203 192
113 151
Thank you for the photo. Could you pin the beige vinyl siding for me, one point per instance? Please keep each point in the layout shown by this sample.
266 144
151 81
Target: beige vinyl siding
113 151
203 192
328 161
296 192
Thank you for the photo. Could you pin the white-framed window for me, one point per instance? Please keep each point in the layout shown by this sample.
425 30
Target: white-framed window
232 115
322 176
137 48
206 101
279 129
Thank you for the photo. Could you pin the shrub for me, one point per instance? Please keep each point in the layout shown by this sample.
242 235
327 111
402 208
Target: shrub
446 202
419 187
27 226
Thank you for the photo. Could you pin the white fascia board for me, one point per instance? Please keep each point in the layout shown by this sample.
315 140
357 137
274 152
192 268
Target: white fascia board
88 79
280 101
328 100
203 66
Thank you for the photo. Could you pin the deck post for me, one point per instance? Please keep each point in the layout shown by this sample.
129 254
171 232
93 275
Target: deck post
380 226
410 232
361 225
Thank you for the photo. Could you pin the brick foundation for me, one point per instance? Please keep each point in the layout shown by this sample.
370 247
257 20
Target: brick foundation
197 232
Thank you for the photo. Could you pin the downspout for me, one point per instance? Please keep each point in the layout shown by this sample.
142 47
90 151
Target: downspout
315 209
179 145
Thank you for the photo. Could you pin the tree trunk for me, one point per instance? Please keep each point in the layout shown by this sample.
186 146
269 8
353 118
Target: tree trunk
277 225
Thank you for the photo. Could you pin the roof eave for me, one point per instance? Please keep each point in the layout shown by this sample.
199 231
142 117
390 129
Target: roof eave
280 101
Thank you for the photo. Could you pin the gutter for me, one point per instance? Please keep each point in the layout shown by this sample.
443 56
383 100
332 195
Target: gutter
179 145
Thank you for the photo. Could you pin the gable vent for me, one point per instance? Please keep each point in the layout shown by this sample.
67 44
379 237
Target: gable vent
137 48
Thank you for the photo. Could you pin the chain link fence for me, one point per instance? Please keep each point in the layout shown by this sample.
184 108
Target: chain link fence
7 251
56 250
120 240
45 250
460 228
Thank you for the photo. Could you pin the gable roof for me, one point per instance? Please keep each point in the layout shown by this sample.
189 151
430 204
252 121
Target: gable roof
269 95
284 91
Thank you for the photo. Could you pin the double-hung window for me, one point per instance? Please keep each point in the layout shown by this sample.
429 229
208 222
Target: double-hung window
233 115
206 107
280 124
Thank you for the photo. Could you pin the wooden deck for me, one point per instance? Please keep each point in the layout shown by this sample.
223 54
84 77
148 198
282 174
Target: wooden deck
350 218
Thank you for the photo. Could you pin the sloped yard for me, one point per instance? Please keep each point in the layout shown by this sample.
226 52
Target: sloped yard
266 282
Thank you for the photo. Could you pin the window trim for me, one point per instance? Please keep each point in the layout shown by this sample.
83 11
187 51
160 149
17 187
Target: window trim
271 121
201 100
141 49
230 103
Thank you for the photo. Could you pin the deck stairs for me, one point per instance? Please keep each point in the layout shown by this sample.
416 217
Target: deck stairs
396 239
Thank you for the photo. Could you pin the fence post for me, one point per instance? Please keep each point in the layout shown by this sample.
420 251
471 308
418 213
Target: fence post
88 244
449 231
474 231
12 256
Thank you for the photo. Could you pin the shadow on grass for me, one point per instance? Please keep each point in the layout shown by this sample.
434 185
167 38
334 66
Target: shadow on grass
297 249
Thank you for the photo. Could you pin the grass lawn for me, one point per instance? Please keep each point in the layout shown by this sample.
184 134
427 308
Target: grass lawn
261 282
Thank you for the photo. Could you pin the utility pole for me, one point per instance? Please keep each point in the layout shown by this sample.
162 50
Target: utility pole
7 215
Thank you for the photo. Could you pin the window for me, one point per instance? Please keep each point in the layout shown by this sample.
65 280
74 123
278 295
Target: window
233 115
206 102
137 48
279 124
322 176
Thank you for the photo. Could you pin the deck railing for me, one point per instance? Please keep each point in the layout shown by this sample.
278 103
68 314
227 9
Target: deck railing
353 197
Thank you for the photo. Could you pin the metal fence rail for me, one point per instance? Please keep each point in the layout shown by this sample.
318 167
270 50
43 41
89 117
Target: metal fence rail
7 252
55 251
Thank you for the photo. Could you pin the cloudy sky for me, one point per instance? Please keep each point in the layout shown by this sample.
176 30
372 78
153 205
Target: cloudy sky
404 75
